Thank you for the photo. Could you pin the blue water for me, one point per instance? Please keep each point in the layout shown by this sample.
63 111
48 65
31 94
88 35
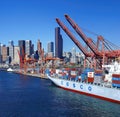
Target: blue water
25 96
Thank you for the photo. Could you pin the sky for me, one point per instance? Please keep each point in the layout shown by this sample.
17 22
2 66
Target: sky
35 19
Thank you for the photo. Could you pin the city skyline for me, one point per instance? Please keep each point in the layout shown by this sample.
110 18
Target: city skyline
34 19
12 54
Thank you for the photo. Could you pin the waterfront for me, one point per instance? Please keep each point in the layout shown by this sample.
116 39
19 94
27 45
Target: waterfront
26 96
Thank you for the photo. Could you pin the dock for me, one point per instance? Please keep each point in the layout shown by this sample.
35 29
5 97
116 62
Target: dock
39 75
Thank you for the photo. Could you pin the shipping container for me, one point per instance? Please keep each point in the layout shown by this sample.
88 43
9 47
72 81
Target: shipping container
116 75
98 78
115 80
90 79
116 85
90 74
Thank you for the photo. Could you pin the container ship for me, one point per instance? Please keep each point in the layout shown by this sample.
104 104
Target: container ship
105 86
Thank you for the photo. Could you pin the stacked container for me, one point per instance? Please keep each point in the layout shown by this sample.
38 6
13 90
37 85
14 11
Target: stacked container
65 74
84 75
98 77
73 73
116 80
90 77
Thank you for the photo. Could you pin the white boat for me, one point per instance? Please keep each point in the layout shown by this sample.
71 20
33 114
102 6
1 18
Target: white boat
10 70
107 90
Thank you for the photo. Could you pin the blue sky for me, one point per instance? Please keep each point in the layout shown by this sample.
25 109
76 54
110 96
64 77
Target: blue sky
35 19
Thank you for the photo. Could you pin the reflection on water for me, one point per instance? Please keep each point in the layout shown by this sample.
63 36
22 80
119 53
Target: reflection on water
85 106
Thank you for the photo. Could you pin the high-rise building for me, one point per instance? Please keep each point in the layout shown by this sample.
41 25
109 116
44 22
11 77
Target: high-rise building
32 48
21 44
58 43
0 48
16 55
28 47
73 58
11 43
4 53
11 50
0 54
50 47
39 47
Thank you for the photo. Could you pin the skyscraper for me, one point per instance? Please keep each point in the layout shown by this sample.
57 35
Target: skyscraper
21 44
16 55
50 47
32 48
39 47
58 43
0 54
10 43
11 50
4 53
0 49
73 58
28 47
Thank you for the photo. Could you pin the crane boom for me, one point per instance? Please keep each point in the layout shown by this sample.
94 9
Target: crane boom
73 38
101 53
82 35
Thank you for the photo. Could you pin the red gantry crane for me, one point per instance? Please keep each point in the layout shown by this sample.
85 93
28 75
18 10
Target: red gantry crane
87 40
102 51
73 38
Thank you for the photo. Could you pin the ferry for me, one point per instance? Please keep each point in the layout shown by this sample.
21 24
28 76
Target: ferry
105 86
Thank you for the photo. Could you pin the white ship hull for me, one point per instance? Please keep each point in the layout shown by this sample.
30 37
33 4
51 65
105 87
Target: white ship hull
102 92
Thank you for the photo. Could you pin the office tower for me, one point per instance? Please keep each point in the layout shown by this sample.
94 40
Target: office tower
32 48
40 50
58 43
50 47
73 58
0 54
28 47
0 48
21 44
4 51
39 47
16 55
11 43
11 50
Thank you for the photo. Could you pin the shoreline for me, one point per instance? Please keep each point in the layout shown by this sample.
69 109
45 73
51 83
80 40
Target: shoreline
42 76
39 75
